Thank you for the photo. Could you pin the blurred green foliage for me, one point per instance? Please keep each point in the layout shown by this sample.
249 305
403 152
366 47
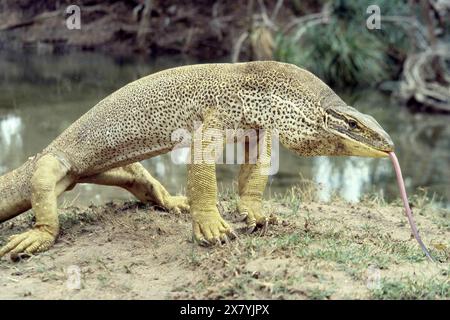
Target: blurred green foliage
345 52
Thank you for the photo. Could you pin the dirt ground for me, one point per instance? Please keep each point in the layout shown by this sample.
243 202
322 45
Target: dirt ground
314 251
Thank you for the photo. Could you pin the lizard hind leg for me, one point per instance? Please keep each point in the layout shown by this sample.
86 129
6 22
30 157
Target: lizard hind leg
137 180
48 180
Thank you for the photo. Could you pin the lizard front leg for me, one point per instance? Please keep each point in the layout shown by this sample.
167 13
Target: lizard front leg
137 180
48 180
208 225
252 183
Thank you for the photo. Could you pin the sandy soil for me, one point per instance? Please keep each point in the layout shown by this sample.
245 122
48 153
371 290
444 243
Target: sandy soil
313 251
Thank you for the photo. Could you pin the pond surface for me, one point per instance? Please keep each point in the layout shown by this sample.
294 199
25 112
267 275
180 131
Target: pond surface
41 95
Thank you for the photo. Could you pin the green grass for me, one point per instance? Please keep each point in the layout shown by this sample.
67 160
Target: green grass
408 288
345 52
324 251
316 251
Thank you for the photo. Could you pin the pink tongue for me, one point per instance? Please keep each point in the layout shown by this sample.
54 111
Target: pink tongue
401 186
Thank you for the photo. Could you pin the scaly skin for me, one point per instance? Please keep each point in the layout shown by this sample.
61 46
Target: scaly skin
137 121
251 183
137 180
207 224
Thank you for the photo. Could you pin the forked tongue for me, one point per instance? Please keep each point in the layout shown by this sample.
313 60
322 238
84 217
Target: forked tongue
402 189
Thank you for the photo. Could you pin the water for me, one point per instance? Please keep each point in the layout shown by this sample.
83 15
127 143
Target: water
41 95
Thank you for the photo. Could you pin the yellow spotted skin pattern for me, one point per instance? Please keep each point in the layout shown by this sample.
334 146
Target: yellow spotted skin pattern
137 121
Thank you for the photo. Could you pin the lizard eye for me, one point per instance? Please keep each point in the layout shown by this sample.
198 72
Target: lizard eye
352 124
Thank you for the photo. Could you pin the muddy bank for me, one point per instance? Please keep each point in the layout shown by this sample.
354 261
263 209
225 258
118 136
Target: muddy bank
313 251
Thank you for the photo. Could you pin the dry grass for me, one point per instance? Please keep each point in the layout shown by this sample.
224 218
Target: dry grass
314 251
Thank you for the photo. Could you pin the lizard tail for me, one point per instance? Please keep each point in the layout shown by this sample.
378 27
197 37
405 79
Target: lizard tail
15 191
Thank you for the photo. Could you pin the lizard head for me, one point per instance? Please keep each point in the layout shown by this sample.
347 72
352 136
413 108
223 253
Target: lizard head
327 126
320 123
337 131
356 133
310 118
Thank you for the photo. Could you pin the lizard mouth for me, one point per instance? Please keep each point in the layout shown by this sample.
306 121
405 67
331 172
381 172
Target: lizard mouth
354 145
358 148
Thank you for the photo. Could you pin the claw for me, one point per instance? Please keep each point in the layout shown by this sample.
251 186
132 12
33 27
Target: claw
243 216
264 228
234 234
255 220
176 204
225 239
210 229
28 242
251 228
16 257
204 242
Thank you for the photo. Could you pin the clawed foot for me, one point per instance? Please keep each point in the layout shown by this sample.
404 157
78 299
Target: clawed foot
176 204
255 220
210 228
29 242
